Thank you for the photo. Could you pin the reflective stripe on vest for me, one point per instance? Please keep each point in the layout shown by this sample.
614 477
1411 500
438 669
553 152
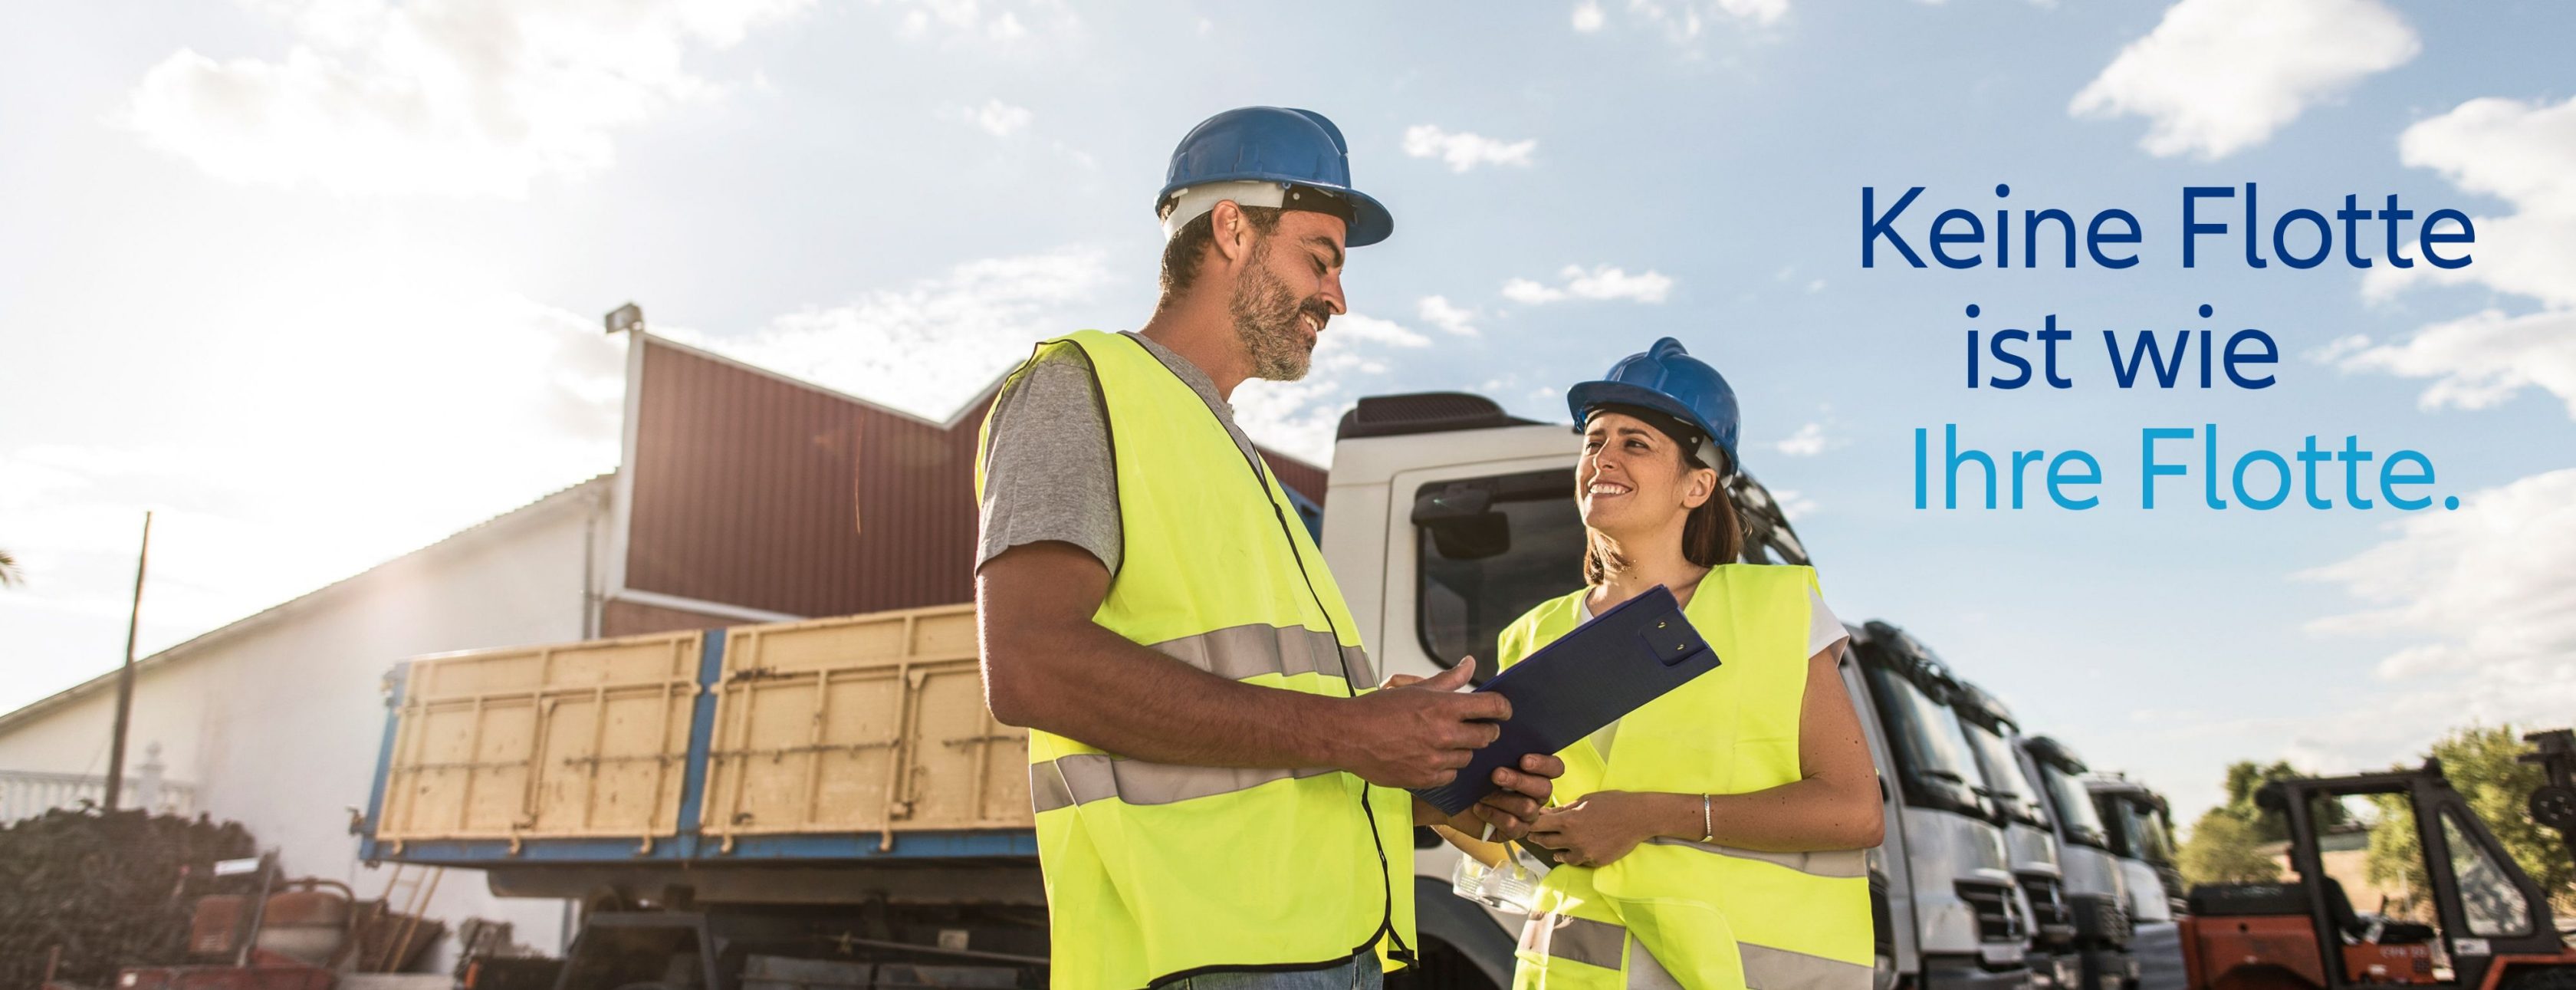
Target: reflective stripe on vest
1583 940
1245 652
1709 916
1154 870
1835 863
1599 943
1082 778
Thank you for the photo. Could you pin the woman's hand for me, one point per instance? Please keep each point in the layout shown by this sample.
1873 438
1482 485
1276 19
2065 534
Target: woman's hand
1602 827
1506 813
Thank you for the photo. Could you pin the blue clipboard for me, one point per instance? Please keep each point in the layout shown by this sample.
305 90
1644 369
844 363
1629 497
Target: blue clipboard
1587 679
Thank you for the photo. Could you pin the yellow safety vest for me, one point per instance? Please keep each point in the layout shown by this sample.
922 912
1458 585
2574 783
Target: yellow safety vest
1677 913
1155 870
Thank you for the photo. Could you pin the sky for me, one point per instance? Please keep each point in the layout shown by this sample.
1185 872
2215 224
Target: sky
319 282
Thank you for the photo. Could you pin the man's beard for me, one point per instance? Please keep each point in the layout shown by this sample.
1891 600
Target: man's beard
1267 316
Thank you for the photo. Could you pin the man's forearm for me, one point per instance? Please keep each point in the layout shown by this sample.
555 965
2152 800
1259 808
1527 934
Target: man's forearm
1094 686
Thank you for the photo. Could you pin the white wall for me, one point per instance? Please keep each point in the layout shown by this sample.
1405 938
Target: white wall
278 725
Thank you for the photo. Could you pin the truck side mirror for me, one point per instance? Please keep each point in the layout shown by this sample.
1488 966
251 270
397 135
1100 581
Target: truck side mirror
1463 522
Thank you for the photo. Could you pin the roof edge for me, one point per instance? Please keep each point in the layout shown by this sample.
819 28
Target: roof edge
450 543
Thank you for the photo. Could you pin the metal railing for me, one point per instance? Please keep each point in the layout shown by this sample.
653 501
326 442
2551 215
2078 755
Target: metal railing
27 793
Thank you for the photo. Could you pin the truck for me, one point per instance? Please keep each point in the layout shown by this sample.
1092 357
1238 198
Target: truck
1954 910
2030 841
2097 893
2141 836
728 805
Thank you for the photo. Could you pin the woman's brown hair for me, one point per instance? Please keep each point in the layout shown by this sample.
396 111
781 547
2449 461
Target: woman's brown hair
1712 535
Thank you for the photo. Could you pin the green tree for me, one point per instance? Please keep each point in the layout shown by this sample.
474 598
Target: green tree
2245 777
2483 765
2225 848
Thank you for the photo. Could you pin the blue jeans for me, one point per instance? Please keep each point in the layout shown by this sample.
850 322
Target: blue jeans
1360 973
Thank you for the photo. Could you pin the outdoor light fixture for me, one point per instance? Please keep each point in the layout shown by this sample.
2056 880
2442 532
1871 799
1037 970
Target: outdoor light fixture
626 317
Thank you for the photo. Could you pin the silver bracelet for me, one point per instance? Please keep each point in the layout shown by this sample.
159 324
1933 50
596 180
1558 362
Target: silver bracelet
1707 831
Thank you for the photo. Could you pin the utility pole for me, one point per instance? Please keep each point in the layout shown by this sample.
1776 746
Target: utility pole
125 676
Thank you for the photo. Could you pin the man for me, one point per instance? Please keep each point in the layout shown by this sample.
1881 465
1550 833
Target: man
1213 777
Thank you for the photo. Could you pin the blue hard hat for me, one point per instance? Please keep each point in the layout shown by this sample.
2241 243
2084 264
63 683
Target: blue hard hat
1275 144
1667 380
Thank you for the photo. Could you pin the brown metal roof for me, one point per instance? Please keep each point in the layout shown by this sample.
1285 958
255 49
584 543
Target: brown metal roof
756 490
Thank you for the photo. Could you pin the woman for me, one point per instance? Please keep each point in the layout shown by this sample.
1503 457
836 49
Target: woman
1714 837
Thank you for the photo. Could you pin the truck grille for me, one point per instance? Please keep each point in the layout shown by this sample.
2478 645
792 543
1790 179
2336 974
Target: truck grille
2049 913
2101 919
1998 914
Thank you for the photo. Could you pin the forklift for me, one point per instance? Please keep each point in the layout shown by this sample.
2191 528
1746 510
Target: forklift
2494 929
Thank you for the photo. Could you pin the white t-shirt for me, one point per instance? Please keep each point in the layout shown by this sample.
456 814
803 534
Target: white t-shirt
1824 631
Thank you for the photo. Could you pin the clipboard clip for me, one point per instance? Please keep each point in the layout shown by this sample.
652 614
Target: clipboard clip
1672 640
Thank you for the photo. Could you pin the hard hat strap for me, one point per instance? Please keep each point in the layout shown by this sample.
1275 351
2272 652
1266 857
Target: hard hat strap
1194 202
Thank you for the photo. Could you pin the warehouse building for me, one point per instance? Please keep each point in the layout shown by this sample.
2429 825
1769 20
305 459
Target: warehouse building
742 495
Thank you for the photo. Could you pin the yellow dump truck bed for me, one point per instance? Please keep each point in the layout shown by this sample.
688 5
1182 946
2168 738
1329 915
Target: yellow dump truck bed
692 744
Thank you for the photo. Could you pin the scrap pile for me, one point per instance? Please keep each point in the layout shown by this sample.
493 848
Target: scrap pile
108 889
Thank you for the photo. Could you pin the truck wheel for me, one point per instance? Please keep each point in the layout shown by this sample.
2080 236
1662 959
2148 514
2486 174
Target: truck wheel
605 899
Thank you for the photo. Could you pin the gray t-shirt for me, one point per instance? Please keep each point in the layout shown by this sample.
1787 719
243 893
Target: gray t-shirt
1050 474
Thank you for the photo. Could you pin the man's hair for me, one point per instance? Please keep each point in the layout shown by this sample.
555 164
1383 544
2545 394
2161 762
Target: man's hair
1181 253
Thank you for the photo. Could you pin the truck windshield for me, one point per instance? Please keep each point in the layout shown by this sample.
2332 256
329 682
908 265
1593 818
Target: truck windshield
2074 806
2140 832
1527 549
2003 774
1937 767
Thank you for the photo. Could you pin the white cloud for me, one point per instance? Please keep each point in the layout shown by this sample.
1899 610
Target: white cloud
2525 154
927 348
2483 359
1686 20
2522 153
2216 77
1588 16
1528 293
1463 151
1599 282
977 22
2479 590
1809 441
2502 639
1354 328
1439 312
1794 505
995 117
442 97
2340 348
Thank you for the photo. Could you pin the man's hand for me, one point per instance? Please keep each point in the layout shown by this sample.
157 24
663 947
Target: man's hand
1510 811
1603 826
1416 734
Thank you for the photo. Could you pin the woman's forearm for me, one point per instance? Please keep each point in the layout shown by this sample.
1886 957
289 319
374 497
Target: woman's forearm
1811 815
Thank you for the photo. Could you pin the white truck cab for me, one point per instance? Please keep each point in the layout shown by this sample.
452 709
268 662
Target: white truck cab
1955 909
2030 839
2096 891
2141 836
